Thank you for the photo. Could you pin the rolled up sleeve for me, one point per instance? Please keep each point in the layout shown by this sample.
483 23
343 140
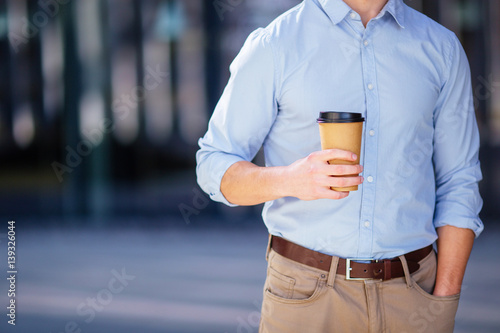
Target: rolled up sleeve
242 118
456 148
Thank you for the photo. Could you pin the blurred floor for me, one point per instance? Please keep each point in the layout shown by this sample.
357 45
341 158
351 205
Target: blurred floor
183 280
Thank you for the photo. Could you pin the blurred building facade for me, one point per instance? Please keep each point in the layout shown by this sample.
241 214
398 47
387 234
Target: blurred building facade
100 95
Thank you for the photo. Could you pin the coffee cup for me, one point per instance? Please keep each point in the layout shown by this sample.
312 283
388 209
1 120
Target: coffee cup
341 130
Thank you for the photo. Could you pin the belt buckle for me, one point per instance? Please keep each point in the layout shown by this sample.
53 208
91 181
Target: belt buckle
348 268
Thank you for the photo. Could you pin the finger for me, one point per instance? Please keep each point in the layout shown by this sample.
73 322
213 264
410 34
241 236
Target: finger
337 154
344 181
339 169
342 169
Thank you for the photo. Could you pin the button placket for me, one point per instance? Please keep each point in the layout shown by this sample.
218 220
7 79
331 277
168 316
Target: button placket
370 149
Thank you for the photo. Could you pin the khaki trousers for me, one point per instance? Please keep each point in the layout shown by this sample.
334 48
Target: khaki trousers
303 299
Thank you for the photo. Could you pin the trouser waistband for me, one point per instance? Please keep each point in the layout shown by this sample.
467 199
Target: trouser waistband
384 269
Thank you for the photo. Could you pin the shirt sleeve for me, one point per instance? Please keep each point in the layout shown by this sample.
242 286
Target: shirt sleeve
242 118
456 148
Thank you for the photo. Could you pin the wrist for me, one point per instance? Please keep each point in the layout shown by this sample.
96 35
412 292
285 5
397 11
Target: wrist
446 290
282 184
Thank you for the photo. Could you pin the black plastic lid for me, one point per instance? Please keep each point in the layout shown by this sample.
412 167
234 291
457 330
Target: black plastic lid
340 117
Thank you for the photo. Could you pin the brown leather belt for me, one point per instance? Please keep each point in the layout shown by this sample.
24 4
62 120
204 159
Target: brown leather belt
384 269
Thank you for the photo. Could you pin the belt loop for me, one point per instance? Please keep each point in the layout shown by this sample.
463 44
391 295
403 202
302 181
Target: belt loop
269 245
333 272
406 270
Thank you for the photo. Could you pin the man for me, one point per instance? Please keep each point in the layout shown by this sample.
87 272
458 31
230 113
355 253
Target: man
358 261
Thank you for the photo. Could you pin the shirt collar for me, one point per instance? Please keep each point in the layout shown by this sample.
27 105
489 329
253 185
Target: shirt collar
338 9
335 9
396 9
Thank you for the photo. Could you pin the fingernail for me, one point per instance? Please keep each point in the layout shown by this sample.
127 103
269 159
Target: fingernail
354 156
362 179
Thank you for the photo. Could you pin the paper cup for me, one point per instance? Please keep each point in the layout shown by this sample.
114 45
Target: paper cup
341 130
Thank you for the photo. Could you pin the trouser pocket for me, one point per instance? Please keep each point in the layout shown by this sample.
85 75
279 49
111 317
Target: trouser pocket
293 296
413 308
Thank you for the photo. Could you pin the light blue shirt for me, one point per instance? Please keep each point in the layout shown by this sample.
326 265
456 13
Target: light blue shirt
406 74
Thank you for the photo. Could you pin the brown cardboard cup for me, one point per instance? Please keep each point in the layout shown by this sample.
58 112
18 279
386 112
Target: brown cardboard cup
341 130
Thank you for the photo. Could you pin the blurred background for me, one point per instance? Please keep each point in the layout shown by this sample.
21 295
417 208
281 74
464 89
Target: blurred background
101 106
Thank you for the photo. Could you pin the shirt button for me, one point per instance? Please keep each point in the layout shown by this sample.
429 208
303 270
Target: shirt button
366 43
372 133
353 16
370 179
370 86
367 224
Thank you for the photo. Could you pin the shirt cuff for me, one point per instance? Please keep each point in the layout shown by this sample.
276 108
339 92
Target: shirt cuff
476 225
220 166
